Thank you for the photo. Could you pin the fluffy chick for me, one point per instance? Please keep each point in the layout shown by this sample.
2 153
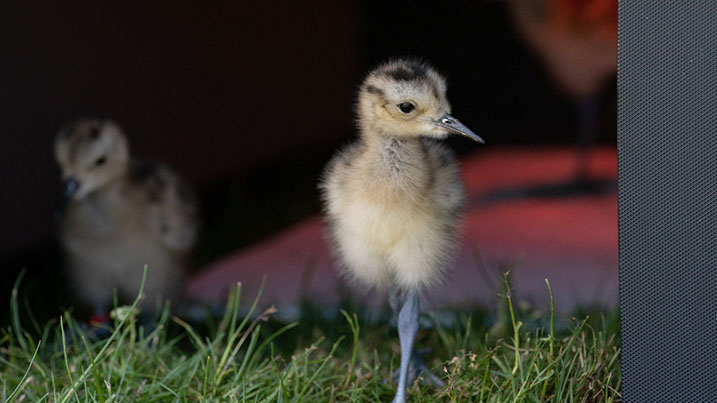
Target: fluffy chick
393 198
118 215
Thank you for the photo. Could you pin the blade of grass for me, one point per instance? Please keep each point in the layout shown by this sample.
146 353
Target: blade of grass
98 385
15 312
269 339
235 332
109 341
318 370
516 325
552 318
354 325
67 365
21 385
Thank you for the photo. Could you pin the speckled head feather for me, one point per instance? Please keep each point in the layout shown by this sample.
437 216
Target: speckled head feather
403 97
93 152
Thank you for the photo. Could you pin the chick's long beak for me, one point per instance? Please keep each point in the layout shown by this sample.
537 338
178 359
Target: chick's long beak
70 188
453 125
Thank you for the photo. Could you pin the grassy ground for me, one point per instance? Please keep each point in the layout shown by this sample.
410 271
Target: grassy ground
512 355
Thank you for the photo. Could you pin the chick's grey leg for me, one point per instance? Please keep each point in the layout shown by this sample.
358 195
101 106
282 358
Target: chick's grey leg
407 330
416 367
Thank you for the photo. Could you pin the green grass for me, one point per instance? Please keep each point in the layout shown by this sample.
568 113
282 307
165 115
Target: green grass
253 357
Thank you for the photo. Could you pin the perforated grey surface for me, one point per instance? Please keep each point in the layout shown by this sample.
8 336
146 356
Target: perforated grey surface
667 152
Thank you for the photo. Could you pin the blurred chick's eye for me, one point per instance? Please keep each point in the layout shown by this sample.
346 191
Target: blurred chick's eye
100 161
406 107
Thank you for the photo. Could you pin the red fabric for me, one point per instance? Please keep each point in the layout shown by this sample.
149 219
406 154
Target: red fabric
100 319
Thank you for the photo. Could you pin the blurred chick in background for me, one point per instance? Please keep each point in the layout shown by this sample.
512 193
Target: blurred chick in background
117 215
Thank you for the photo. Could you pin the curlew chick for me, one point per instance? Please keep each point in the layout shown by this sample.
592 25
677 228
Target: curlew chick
118 215
393 198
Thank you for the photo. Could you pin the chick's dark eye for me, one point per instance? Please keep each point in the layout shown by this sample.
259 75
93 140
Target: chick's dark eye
406 107
100 161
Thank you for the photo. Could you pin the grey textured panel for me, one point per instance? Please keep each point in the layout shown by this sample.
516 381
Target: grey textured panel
667 150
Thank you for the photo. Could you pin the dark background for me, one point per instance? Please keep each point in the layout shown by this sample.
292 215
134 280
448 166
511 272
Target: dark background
247 101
